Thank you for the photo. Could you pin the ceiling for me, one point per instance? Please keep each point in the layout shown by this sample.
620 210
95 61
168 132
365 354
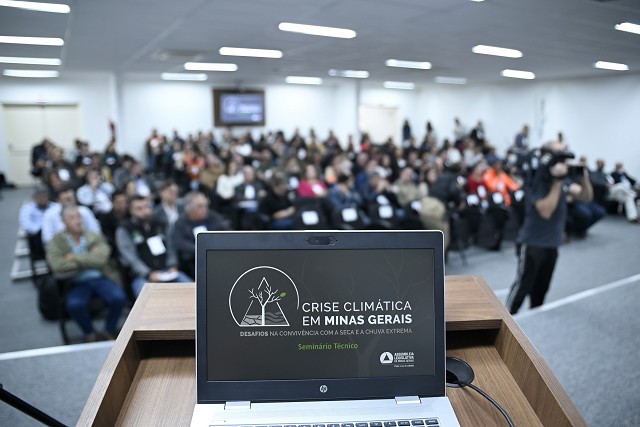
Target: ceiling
559 38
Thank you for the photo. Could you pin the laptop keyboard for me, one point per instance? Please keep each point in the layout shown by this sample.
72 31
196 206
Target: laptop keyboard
426 422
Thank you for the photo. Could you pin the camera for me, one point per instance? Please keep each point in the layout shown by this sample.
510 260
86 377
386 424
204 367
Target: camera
535 165
575 172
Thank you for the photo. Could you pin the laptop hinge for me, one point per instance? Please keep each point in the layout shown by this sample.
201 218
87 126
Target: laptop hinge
237 405
407 400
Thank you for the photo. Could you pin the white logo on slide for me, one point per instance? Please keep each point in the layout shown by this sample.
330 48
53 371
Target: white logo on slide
258 296
386 358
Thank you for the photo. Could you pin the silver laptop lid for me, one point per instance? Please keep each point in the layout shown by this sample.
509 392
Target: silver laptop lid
319 315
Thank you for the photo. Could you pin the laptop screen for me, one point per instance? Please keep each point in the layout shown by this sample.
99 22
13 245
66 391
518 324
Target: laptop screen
281 319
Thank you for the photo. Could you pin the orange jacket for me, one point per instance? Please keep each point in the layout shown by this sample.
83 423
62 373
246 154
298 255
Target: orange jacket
499 182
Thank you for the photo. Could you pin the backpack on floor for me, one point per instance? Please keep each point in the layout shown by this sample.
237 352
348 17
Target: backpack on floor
49 298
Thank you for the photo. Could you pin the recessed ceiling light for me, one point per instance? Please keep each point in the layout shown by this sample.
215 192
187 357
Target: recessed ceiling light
399 85
209 66
42 41
354 74
451 80
39 7
628 27
496 51
31 73
191 77
517 74
315 30
408 64
299 80
611 66
255 53
29 61
477 1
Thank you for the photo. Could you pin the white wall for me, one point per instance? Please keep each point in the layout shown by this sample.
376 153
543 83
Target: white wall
597 115
91 93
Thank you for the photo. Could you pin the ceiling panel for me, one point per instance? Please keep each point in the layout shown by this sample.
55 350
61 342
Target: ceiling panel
559 38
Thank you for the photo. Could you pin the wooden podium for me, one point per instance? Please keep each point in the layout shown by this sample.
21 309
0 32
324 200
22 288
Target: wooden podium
149 376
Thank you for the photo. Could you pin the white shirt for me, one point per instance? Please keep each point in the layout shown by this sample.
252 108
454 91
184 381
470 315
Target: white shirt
99 199
31 217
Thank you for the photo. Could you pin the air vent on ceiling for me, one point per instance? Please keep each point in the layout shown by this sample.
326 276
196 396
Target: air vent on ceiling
176 55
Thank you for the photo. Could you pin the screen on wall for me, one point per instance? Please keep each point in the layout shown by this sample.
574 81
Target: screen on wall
234 107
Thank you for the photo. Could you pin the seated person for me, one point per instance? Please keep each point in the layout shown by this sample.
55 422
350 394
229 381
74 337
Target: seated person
406 188
31 218
310 186
344 196
145 249
197 217
276 205
142 182
582 215
84 255
624 189
500 186
496 180
247 199
110 221
96 194
52 221
169 209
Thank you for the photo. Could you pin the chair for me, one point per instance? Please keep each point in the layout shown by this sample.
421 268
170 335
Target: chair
37 259
383 216
52 293
460 235
309 215
349 218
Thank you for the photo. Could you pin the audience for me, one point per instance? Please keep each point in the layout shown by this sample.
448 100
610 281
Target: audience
277 206
166 212
31 218
110 221
96 194
196 218
52 221
145 249
268 182
83 257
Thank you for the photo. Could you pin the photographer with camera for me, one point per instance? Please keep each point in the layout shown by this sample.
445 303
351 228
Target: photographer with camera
545 215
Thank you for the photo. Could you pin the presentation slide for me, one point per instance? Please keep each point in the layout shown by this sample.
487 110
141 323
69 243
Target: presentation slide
283 315
242 108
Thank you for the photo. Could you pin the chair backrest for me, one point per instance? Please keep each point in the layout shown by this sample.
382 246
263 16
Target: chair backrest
349 218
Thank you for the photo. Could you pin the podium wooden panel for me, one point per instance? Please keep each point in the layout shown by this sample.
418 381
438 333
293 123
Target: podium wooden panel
149 376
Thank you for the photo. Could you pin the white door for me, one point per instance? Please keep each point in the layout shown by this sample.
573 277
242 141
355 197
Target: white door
381 123
26 126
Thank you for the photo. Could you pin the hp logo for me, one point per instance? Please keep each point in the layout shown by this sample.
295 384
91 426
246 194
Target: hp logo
323 389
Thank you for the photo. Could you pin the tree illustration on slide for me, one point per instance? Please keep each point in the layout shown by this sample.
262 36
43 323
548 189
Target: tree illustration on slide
264 295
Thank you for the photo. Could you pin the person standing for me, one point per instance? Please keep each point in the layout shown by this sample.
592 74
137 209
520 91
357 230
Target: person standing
542 230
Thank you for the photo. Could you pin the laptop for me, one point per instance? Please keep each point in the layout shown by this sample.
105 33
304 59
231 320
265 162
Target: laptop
320 329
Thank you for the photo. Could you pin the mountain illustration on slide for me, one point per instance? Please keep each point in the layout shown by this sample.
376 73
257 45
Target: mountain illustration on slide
264 307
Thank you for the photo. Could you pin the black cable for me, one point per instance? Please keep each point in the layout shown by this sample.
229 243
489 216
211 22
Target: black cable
28 409
479 390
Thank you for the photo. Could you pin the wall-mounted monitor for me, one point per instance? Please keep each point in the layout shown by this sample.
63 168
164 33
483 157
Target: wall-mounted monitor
233 107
